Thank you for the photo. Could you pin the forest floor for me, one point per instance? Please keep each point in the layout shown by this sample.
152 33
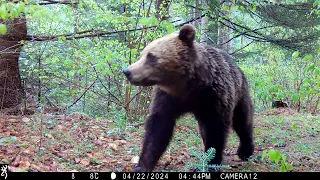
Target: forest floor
78 143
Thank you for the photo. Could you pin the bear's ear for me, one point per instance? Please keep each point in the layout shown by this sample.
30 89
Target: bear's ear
187 34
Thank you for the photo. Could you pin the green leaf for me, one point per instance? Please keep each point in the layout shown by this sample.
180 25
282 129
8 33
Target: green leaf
254 8
284 158
107 71
21 6
308 58
148 20
15 13
295 97
3 12
289 166
37 14
311 67
294 126
264 154
296 54
63 38
283 167
318 50
278 156
71 73
99 67
274 155
3 29
82 72
280 95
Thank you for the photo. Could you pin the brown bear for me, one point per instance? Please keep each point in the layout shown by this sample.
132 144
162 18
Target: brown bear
192 78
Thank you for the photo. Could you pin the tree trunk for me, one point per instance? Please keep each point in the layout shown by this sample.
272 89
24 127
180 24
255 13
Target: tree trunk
162 7
224 33
11 90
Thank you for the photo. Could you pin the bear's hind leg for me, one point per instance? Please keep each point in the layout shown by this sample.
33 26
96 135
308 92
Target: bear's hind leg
243 126
214 131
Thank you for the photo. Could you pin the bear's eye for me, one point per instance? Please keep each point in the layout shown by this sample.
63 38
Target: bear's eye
151 59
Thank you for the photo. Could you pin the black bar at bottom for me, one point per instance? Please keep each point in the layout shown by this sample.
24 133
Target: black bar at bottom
159 175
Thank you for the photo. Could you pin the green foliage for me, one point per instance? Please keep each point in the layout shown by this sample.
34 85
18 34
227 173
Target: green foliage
8 140
295 81
95 40
203 160
276 156
3 29
9 10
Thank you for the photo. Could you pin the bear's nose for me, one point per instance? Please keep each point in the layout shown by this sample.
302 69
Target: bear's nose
126 72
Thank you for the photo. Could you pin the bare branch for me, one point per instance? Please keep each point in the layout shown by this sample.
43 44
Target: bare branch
84 92
242 47
48 2
95 33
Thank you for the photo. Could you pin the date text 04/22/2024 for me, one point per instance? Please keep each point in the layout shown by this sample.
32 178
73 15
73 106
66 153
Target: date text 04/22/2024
164 175
191 176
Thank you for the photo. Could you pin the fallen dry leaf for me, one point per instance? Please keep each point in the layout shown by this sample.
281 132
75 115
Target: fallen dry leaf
128 168
12 120
180 160
121 141
35 138
35 166
113 146
89 155
135 160
56 153
186 154
53 151
99 142
77 160
85 162
26 152
25 119
113 161
167 163
167 159
62 128
12 169
98 155
23 164
14 134
50 136
16 161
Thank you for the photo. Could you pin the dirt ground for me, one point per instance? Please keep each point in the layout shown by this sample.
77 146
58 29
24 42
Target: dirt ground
76 142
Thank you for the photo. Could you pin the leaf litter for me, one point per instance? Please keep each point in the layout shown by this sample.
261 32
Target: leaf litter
75 144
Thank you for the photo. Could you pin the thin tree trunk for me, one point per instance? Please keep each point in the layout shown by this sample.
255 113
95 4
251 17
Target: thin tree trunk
223 31
162 8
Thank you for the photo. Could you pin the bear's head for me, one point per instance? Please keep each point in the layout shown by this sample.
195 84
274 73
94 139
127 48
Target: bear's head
165 61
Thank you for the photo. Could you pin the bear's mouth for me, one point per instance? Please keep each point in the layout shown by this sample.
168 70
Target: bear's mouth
144 82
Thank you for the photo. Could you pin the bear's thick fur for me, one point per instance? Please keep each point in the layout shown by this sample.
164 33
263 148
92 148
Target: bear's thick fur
202 80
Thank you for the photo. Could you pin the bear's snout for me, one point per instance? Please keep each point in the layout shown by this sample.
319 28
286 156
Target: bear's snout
127 73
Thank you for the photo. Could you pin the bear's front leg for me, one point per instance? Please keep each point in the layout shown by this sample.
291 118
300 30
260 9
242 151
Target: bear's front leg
160 124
